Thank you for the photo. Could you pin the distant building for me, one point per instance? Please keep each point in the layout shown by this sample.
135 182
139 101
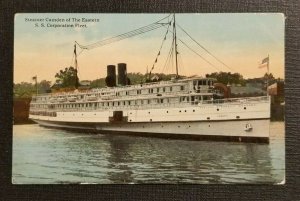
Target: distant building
239 91
85 83
21 110
276 89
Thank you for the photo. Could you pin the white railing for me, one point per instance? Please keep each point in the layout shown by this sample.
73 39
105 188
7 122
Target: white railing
229 101
238 100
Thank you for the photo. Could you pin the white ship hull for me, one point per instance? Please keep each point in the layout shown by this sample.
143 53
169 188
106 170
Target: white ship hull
237 121
213 130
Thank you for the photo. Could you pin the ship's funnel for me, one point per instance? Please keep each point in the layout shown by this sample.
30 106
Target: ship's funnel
122 74
111 76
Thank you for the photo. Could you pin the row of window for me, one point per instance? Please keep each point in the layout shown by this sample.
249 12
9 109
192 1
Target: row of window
192 99
203 82
150 91
133 92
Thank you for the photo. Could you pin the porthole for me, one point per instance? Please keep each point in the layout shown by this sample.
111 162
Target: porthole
237 117
184 110
167 111
179 110
193 110
208 118
148 112
218 109
245 108
178 126
208 125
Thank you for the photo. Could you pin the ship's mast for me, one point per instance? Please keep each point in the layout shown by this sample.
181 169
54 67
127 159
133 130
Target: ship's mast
76 66
268 74
175 44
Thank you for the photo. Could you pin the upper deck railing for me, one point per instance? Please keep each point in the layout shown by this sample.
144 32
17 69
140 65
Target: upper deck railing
113 89
127 87
238 100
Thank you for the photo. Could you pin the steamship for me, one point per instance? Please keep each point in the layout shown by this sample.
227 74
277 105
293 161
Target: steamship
193 107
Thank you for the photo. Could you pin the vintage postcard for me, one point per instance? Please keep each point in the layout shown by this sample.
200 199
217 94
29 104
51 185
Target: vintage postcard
149 98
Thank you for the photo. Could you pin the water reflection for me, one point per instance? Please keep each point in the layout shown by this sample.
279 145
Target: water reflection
55 156
140 160
118 159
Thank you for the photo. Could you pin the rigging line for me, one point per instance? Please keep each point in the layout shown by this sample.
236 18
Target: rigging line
121 37
170 62
77 62
138 31
182 65
72 59
159 52
169 56
205 48
198 54
80 52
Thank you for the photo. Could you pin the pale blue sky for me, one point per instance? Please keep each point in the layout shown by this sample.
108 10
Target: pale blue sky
239 40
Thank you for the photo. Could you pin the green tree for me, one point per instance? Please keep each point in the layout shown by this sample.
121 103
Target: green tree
269 76
98 83
227 77
136 78
24 90
67 77
44 86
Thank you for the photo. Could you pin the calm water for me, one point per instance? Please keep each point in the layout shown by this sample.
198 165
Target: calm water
42 155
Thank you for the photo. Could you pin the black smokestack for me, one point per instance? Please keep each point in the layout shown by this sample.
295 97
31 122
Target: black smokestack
111 76
122 74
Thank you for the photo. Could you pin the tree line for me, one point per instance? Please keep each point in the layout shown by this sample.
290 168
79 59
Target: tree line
67 78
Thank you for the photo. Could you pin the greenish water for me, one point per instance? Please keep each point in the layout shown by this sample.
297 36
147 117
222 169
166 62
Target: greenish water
49 156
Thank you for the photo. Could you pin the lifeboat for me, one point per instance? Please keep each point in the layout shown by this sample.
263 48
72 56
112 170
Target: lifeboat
72 98
91 97
61 99
52 100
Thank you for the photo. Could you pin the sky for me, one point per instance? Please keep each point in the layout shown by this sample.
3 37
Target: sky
240 41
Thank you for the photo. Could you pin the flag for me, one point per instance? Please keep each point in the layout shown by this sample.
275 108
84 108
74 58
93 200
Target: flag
264 63
34 78
265 60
